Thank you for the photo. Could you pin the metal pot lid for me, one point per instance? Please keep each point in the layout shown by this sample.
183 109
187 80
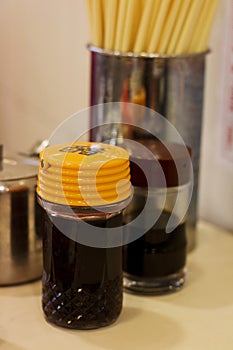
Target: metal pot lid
16 167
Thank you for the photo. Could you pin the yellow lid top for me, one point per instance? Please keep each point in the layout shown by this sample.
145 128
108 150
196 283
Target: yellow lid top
84 174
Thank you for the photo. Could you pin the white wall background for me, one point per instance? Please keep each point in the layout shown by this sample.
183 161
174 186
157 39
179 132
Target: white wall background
44 67
44 78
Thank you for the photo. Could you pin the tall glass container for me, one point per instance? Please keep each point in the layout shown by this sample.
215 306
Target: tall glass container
155 262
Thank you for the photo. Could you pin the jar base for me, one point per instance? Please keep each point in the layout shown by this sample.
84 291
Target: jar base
83 307
81 326
155 286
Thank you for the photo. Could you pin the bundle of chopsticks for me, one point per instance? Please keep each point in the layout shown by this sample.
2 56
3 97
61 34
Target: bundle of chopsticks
151 26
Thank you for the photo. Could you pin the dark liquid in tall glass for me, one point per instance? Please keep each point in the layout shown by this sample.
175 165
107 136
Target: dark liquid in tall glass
82 285
156 253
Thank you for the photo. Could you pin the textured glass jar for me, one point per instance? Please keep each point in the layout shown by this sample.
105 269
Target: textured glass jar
82 283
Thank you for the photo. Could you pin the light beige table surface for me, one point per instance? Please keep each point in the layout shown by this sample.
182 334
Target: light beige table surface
198 317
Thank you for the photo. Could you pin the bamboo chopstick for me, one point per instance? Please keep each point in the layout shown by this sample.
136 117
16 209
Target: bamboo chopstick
110 23
150 8
169 26
203 43
161 19
189 24
95 9
120 24
130 28
90 15
197 32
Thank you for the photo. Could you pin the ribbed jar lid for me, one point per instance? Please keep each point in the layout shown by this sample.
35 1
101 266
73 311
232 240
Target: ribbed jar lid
84 174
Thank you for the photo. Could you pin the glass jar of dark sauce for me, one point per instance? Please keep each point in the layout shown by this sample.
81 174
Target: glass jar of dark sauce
155 262
82 283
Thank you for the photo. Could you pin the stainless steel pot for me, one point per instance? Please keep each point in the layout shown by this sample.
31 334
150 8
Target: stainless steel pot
20 236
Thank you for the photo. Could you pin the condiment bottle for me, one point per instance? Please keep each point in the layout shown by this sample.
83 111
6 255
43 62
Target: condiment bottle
155 262
80 184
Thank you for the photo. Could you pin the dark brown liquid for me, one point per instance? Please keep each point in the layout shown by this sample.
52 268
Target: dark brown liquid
82 285
19 222
156 253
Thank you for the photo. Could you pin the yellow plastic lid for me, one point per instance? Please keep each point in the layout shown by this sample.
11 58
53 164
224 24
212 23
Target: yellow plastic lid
84 174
